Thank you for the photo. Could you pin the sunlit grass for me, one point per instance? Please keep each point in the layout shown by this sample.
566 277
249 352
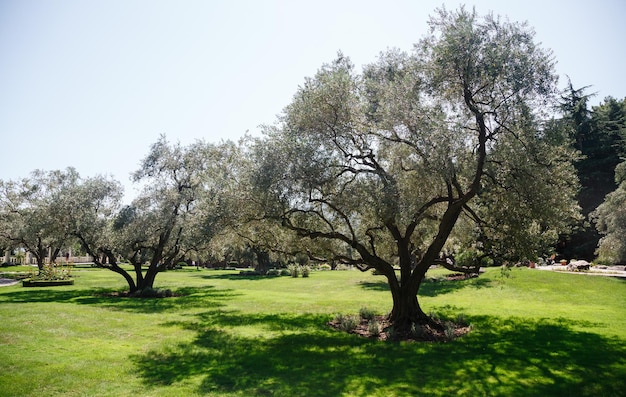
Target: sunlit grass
535 333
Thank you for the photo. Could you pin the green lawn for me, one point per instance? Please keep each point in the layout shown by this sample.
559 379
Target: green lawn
535 333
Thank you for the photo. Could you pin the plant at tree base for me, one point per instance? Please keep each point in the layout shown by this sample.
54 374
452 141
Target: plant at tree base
380 170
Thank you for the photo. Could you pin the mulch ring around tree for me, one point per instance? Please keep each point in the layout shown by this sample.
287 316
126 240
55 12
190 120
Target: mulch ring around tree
436 331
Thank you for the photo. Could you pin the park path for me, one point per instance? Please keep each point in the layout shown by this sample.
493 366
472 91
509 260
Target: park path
612 272
7 282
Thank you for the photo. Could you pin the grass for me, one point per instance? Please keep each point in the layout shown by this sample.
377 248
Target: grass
535 333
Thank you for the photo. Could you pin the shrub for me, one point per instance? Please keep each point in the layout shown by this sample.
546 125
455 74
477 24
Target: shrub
273 272
294 270
346 323
52 272
373 327
449 331
285 272
325 266
305 270
366 314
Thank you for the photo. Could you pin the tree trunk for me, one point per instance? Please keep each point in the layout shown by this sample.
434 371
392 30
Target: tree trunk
263 259
148 280
406 309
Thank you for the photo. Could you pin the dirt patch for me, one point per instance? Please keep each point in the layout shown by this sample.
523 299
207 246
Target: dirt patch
460 276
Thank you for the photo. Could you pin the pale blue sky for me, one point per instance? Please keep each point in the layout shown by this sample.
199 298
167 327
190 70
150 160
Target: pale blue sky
92 83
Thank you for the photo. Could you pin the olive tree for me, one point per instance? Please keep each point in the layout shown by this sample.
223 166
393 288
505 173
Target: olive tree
380 167
28 218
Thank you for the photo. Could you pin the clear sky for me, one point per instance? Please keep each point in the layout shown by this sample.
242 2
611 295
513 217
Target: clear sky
92 83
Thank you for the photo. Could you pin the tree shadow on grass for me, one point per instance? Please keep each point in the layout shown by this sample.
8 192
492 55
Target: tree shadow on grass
434 286
187 297
300 356
245 275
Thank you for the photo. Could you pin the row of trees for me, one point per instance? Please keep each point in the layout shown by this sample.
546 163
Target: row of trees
451 147
599 135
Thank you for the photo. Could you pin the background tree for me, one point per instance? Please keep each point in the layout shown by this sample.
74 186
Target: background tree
28 218
610 219
89 211
600 136
387 162
178 211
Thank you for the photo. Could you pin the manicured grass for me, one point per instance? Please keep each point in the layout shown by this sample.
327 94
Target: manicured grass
535 333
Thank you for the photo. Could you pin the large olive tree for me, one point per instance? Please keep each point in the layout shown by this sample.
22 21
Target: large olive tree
379 167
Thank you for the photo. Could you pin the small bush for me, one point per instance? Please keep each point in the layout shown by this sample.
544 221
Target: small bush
273 272
346 323
373 327
325 266
449 331
305 270
366 314
294 270
52 272
285 272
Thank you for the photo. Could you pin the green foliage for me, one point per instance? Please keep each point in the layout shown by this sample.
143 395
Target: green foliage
346 323
294 270
374 328
600 136
325 267
449 331
610 219
366 313
52 272
273 272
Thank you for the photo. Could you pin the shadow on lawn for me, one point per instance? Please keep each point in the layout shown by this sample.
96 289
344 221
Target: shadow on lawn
433 287
507 357
203 297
